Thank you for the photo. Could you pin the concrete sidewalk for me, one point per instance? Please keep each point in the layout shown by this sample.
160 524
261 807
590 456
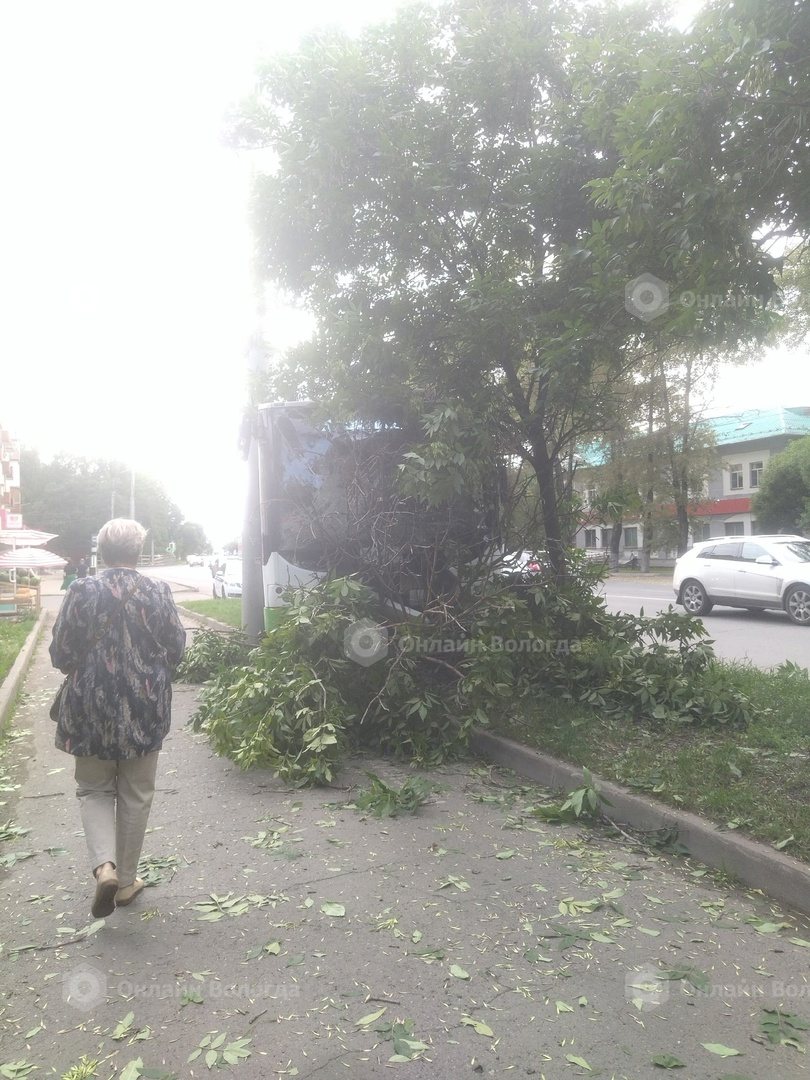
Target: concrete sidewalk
487 943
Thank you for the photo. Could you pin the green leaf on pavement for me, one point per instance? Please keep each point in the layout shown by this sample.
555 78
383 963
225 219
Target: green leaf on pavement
365 1021
479 1026
720 1050
429 955
132 1070
536 957
14 1069
458 882
122 1028
336 911
583 1064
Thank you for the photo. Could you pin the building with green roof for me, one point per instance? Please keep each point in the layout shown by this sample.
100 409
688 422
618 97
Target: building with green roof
745 443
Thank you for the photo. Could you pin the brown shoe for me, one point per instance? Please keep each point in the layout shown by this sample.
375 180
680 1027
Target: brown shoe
125 896
106 888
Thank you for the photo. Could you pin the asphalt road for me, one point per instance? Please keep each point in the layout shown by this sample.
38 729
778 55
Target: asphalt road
765 639
188 582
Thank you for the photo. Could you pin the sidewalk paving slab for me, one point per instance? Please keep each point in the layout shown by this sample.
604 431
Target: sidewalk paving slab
579 945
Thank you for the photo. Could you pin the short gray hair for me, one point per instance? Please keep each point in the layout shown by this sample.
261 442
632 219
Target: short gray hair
121 541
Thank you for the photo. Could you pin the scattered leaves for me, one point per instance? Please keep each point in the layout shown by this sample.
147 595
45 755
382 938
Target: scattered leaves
218 1052
382 800
782 1029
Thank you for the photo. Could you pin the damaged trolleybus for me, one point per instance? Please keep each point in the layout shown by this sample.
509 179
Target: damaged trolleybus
326 502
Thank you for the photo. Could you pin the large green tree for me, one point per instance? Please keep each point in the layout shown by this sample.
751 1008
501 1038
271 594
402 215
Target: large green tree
782 503
73 497
463 197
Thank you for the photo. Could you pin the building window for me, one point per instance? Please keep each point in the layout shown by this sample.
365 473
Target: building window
756 468
590 538
631 537
590 498
735 528
701 530
606 535
736 473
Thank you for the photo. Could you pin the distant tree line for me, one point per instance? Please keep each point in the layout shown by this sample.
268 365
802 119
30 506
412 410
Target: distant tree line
73 497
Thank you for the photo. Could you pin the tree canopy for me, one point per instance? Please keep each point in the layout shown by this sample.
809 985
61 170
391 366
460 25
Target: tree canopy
504 204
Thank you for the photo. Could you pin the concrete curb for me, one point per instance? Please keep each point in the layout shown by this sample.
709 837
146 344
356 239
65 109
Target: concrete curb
755 864
205 620
13 681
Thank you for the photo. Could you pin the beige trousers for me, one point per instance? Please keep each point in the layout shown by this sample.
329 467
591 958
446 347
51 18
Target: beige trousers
115 798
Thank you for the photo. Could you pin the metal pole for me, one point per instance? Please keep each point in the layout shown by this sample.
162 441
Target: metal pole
252 580
253 599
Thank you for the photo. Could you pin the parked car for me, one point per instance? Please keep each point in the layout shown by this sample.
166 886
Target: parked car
757 573
522 567
228 579
195 560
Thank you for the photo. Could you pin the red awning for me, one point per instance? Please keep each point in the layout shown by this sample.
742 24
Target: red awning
722 507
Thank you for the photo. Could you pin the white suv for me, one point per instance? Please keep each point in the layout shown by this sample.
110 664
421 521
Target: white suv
755 572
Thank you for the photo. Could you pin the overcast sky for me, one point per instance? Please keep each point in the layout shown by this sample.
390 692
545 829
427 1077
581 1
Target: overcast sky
124 251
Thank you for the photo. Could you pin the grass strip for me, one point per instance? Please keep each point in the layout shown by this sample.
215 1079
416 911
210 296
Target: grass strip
226 611
755 779
12 638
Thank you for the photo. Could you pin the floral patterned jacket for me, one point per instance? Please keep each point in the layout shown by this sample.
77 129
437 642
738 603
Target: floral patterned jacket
117 637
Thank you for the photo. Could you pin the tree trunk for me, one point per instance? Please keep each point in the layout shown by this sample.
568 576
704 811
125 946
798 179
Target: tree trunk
682 517
615 541
544 471
649 499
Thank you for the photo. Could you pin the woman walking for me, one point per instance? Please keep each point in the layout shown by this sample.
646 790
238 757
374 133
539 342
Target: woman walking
117 637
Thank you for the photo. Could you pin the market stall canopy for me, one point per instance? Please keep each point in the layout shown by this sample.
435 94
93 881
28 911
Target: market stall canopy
30 558
30 537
